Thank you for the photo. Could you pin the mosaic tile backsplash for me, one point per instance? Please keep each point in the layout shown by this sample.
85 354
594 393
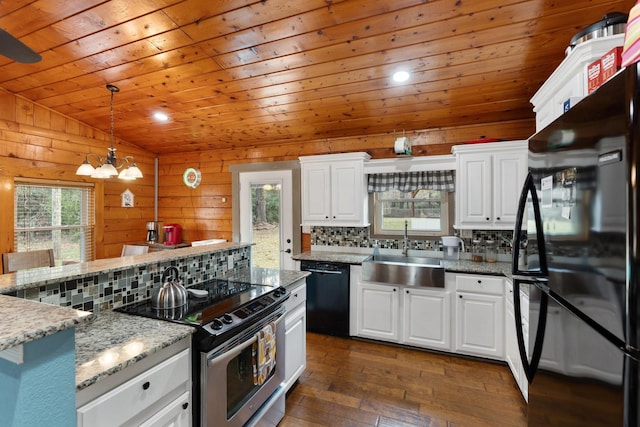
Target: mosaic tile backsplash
114 289
359 237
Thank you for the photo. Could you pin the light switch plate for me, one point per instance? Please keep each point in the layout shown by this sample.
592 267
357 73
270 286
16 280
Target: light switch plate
230 262
466 234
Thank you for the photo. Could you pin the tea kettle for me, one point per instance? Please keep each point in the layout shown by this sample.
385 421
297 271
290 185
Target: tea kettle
171 294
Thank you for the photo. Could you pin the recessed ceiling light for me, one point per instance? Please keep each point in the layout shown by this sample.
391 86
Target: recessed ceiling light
160 116
401 76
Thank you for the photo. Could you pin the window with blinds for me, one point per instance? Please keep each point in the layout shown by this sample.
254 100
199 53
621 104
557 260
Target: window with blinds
55 215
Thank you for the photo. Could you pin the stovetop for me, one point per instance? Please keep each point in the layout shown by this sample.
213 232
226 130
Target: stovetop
228 307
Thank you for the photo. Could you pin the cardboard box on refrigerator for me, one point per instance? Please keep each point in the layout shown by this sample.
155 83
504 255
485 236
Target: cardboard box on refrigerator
594 75
610 63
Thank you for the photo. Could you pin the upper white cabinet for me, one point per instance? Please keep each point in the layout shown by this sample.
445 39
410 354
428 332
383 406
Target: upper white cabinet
334 190
488 184
568 83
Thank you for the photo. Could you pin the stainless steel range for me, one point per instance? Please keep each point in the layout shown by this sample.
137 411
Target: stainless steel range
229 315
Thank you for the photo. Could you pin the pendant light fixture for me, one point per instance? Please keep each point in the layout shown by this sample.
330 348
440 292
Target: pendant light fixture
108 166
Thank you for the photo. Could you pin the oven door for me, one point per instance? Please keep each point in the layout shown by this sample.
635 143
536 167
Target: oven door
230 395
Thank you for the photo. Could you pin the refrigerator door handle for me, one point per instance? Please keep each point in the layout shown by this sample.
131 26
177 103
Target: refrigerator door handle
529 187
530 367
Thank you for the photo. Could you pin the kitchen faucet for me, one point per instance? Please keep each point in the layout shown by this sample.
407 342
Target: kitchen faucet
405 240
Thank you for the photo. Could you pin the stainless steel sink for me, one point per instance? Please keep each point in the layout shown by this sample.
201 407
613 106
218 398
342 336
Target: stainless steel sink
404 270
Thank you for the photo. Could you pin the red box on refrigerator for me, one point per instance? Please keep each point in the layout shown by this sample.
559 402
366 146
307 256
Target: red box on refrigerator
610 63
594 76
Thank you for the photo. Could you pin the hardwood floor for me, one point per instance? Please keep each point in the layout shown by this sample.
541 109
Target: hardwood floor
356 383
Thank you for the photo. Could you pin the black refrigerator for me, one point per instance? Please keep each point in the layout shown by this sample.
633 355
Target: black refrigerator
580 207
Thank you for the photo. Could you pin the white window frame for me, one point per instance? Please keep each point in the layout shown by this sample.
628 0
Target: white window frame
445 218
87 226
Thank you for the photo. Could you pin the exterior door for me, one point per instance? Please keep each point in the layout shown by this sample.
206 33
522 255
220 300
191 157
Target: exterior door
266 217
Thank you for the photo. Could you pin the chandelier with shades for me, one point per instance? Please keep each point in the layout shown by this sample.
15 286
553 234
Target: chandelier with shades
109 165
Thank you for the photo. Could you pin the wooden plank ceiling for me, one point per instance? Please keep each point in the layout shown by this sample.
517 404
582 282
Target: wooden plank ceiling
243 73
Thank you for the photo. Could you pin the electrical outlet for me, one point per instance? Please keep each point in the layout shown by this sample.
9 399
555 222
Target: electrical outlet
230 262
53 299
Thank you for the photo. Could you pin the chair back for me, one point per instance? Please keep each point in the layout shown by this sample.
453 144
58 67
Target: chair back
14 261
134 250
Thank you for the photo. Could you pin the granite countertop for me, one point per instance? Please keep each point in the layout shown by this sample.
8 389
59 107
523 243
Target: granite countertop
344 257
266 276
460 266
115 341
35 277
22 321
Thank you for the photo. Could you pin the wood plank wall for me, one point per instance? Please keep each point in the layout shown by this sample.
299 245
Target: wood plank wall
36 142
205 212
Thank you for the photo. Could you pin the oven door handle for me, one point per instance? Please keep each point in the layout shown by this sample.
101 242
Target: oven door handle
233 352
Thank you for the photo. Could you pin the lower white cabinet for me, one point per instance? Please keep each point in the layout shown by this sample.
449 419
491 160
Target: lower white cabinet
295 325
512 352
378 308
409 315
159 396
427 318
479 316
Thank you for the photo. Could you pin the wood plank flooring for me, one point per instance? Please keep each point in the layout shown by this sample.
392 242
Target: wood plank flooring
350 382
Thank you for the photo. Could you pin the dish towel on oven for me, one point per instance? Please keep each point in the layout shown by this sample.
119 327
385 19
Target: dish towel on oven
264 353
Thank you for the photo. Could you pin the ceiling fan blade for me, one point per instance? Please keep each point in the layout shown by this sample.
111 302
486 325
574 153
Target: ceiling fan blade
14 49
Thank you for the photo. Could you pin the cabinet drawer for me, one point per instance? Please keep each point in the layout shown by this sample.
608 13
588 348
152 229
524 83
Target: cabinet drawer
298 296
480 284
138 394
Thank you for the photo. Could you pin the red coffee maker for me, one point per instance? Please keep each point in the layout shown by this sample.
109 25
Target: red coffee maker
172 234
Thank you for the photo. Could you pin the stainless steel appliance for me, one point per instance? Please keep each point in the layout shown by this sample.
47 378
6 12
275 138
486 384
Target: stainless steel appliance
327 297
152 232
581 207
228 314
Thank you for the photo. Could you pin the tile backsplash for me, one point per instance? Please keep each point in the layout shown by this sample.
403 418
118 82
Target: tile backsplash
359 237
113 289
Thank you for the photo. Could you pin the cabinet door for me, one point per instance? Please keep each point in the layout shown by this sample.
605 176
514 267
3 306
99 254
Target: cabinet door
316 192
175 414
509 173
474 192
427 318
295 346
347 192
512 353
378 312
480 325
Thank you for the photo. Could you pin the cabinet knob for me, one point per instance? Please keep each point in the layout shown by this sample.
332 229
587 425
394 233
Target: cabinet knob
407 291
479 281
185 405
460 296
146 385
487 218
498 218
394 289
295 295
326 217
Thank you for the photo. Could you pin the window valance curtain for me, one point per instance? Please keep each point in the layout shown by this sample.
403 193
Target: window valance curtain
406 182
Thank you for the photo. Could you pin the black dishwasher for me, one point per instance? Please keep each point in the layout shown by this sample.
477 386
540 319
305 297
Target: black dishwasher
327 297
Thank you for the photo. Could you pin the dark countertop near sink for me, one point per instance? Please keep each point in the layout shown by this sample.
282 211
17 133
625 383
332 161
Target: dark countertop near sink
460 266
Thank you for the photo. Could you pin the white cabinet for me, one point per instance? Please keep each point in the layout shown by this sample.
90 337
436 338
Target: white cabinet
158 396
480 316
569 82
488 183
334 190
378 308
296 334
427 318
512 352
408 315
